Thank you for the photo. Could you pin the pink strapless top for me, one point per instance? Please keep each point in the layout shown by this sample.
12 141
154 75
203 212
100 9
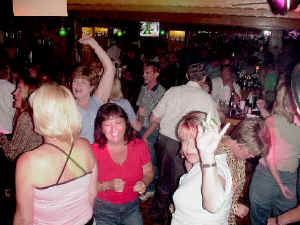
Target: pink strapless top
63 204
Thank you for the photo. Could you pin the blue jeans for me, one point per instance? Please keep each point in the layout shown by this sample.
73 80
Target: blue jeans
107 213
266 199
151 141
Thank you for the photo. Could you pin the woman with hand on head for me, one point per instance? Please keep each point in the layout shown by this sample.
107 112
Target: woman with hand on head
56 182
205 191
124 168
90 95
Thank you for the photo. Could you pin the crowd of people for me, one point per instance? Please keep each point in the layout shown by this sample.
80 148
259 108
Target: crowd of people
89 148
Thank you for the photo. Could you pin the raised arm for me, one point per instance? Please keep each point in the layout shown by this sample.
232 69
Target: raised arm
103 91
213 185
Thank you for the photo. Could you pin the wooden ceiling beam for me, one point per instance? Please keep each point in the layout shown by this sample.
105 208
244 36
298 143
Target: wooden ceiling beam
193 18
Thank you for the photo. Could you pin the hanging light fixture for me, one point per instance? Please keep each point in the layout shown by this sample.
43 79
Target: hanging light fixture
282 7
62 31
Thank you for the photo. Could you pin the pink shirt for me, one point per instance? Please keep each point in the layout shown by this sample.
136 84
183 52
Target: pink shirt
284 143
63 204
130 171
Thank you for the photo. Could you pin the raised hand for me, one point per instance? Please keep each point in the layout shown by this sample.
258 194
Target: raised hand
208 136
88 40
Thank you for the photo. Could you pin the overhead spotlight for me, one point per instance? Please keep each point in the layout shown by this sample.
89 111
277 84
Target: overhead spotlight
282 7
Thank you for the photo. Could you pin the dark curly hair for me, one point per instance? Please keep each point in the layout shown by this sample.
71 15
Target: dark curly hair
106 112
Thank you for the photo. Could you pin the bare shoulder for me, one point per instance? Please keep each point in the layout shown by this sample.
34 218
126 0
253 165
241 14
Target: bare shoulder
34 165
37 159
82 145
83 151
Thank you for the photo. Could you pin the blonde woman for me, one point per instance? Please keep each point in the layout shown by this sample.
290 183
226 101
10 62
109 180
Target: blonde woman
273 186
118 98
56 182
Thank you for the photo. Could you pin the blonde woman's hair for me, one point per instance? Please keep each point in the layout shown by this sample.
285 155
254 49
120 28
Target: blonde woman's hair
55 113
251 133
279 104
116 91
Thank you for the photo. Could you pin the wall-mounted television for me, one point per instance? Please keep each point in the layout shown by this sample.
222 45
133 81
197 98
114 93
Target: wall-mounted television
149 29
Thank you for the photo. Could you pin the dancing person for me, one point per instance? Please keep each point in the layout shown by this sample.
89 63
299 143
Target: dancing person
118 98
88 92
245 142
124 168
56 183
205 191
176 102
273 186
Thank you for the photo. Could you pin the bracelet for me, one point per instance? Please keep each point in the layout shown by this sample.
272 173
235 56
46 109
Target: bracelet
276 220
209 165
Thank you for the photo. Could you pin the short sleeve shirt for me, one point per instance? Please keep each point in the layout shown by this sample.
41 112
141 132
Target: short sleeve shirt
148 99
188 197
7 110
130 171
126 106
180 100
284 142
88 117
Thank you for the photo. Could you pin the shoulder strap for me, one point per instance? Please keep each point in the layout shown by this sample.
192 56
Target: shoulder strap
68 157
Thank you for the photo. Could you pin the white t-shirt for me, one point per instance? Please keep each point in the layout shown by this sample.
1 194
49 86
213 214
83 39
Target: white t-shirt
221 92
188 198
180 100
7 111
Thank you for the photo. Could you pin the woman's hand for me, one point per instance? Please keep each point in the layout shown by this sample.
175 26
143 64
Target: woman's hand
117 185
209 137
286 192
140 187
261 107
242 210
271 221
88 40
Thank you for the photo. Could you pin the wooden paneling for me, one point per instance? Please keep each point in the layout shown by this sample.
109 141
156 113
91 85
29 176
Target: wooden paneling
241 13
190 19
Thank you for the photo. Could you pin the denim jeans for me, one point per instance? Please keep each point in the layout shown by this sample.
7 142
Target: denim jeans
107 213
151 141
298 182
266 199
